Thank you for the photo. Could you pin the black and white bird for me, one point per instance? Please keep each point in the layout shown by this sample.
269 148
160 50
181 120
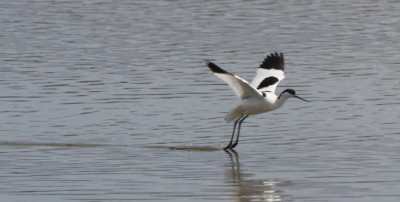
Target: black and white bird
258 96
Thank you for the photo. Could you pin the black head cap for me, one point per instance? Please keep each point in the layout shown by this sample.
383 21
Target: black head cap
291 91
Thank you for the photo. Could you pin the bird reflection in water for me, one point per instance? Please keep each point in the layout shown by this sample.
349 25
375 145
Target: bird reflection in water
268 190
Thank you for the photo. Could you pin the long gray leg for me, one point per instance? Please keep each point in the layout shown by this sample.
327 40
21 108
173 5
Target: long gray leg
233 134
237 137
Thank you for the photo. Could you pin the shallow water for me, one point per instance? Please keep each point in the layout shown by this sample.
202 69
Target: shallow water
111 100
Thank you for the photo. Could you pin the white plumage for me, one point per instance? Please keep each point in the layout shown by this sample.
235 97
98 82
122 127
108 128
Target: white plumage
258 96
265 73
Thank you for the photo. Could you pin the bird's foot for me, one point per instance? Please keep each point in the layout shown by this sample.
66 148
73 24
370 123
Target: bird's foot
230 151
227 147
230 147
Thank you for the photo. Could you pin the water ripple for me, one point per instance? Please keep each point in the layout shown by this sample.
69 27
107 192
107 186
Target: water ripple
111 100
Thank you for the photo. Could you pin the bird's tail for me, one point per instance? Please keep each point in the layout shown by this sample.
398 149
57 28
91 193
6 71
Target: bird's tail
234 114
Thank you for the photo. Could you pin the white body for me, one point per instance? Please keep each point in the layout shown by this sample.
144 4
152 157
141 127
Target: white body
256 105
258 96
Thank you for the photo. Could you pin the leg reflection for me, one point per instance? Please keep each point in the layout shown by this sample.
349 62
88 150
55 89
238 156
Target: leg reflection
249 189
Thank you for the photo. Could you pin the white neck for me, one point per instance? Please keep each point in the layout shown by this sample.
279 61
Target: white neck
282 99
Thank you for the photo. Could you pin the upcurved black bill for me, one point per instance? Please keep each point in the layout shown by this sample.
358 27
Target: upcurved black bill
301 98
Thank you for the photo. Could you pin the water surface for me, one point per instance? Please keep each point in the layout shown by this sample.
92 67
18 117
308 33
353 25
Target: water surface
111 101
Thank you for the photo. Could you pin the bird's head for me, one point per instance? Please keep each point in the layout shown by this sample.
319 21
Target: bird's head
289 93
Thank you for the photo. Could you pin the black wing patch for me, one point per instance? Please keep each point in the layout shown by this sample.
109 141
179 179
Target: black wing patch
268 82
274 61
214 68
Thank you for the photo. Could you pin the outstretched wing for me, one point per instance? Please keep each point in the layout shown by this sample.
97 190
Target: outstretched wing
240 86
270 73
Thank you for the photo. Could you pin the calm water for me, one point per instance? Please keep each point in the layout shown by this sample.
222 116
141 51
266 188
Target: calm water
111 101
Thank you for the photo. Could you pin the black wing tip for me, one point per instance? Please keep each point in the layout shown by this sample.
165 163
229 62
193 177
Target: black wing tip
274 61
214 68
